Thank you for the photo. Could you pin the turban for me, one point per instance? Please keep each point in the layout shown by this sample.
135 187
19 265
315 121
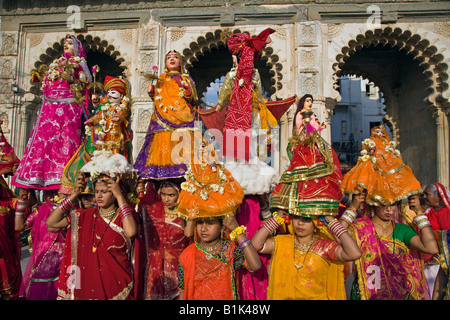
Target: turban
115 83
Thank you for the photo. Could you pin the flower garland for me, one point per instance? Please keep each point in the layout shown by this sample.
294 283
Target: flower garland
191 182
104 126
57 67
370 145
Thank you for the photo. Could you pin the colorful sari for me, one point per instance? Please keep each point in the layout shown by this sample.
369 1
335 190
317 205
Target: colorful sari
41 276
166 242
381 171
111 272
311 184
238 120
56 135
388 269
172 119
208 193
201 277
252 285
10 270
319 278
444 247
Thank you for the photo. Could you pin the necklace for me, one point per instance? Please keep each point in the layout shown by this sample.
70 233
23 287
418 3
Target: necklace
170 214
301 247
94 247
383 227
210 250
109 214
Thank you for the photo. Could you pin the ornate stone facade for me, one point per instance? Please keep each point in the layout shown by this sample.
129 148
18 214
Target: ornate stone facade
401 46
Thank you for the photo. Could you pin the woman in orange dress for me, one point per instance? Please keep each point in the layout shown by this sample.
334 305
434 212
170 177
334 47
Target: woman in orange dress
208 267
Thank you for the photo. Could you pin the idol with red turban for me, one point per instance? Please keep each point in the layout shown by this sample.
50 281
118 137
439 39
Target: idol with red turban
108 128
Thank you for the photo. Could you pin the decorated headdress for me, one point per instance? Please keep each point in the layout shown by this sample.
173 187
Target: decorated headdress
8 158
120 84
238 41
78 48
381 171
104 162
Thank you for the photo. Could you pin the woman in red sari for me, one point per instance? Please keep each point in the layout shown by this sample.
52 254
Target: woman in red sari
98 262
166 241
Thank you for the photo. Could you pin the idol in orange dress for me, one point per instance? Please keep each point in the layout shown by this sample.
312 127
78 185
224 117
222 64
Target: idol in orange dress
311 184
173 119
381 171
209 190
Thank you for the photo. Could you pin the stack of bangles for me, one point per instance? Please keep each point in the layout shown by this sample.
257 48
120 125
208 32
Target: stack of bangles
349 216
20 209
125 211
273 223
238 231
336 228
422 221
65 205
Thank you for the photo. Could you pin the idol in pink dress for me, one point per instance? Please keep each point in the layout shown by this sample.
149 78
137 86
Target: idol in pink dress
56 135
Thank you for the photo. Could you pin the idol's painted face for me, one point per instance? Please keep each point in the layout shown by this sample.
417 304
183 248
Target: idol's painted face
69 46
308 103
379 132
114 96
173 62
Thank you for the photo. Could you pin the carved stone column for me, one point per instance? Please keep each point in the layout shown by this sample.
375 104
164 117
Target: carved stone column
443 151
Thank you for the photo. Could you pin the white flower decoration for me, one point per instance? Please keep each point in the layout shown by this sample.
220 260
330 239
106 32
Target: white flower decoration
204 195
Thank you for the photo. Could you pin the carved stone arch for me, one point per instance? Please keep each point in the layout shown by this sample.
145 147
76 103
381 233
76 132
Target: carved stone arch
422 50
417 130
210 43
99 51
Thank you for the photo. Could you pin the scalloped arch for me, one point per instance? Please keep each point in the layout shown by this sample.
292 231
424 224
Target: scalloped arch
422 50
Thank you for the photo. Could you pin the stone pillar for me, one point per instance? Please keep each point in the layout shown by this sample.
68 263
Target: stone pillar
443 152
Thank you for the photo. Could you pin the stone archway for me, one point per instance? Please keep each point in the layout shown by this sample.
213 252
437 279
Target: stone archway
412 74
99 52
211 46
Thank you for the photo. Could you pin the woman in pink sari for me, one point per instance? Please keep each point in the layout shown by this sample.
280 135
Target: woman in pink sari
40 279
390 267
56 135
252 285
